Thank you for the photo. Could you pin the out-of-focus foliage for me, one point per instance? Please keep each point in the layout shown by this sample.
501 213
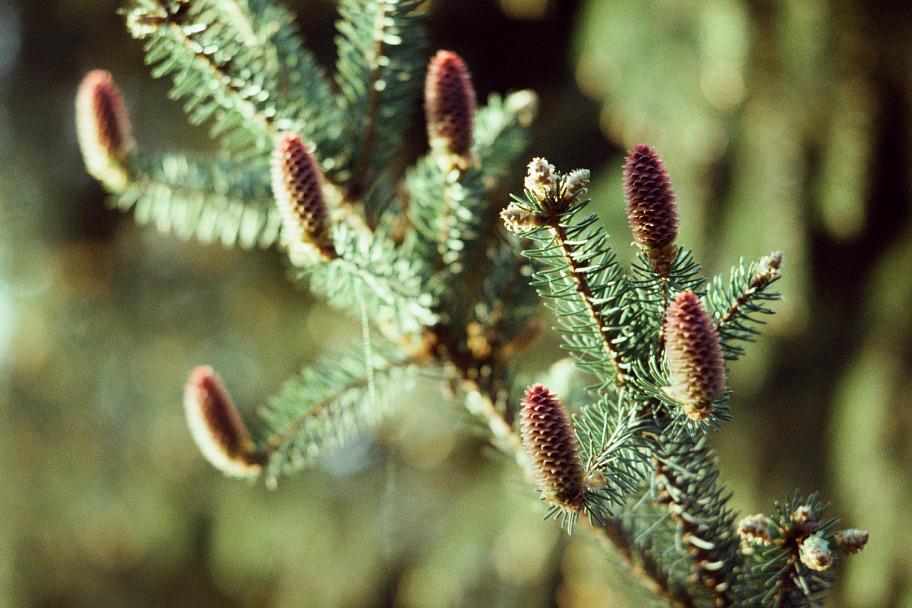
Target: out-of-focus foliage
785 125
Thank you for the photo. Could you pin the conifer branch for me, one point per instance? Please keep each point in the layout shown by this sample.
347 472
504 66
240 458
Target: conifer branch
201 199
241 65
380 47
422 259
737 305
578 271
326 405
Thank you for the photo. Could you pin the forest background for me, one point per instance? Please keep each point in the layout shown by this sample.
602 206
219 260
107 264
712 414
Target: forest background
784 124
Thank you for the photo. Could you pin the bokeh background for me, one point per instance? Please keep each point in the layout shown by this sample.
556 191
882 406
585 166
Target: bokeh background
785 124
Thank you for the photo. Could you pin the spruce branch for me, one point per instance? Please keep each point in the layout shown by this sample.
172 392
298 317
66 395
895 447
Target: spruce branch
421 258
789 555
380 47
327 405
370 265
233 62
581 279
204 199
737 305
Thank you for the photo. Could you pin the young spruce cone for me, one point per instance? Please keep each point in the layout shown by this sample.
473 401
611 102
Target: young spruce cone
651 209
103 129
449 104
297 185
694 356
217 427
548 439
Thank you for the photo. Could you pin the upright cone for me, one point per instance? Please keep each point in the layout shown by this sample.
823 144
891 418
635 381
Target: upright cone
449 103
217 427
548 439
694 356
297 184
103 128
651 208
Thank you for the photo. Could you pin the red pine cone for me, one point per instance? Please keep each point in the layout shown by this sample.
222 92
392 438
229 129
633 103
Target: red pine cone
297 184
103 128
651 209
548 439
694 356
449 103
217 427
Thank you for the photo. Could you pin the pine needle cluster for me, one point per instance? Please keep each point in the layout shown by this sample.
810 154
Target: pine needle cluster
422 258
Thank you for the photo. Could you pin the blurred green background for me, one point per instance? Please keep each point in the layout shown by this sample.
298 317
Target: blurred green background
785 125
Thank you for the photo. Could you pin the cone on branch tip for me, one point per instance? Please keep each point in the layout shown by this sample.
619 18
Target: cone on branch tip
651 209
297 184
103 129
217 427
694 356
850 541
548 439
449 104
815 553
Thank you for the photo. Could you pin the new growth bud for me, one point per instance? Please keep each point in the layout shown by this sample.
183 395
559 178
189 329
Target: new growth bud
850 541
297 185
767 268
541 179
519 218
575 185
548 439
695 365
755 529
449 104
651 208
217 427
103 129
815 553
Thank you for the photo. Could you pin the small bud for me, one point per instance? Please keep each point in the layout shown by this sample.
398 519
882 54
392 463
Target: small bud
541 179
755 529
804 519
524 104
595 480
767 268
217 427
297 185
548 439
694 356
519 218
651 209
850 541
575 185
103 129
815 553
449 104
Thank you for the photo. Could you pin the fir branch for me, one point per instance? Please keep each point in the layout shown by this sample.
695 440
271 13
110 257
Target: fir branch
240 64
326 406
778 573
737 305
201 198
381 59
370 264
502 131
686 483
585 288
